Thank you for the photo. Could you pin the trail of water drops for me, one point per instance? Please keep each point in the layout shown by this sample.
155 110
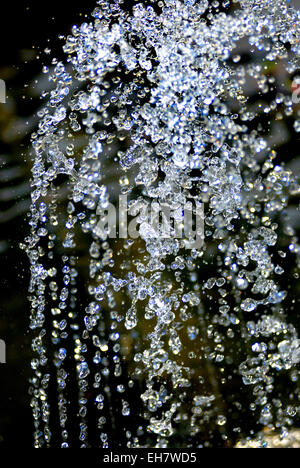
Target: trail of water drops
155 103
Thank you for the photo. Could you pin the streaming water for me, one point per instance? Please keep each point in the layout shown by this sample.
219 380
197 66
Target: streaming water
152 340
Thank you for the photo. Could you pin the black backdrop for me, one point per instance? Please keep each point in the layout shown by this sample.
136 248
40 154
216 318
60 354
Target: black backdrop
27 28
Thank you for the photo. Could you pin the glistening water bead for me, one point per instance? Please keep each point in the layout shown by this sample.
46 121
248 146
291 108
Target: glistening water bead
142 342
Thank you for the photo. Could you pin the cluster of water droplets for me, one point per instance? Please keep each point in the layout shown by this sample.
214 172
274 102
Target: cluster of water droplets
140 342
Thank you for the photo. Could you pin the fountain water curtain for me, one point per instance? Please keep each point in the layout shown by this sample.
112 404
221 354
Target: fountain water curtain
153 339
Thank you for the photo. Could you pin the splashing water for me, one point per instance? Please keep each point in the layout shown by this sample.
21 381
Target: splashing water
149 342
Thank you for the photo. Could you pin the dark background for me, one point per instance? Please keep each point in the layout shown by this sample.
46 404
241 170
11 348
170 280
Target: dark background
27 28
